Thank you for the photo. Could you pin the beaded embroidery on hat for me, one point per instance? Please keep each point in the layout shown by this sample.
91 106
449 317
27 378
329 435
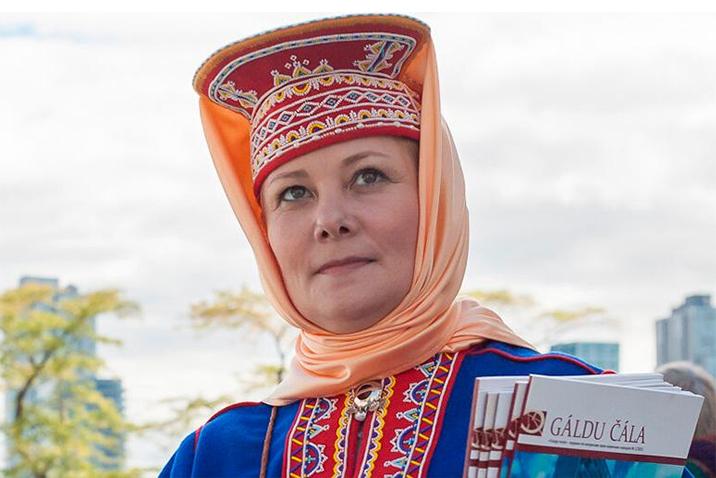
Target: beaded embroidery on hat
329 83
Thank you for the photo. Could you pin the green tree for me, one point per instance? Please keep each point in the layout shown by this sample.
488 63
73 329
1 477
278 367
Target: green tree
250 315
62 425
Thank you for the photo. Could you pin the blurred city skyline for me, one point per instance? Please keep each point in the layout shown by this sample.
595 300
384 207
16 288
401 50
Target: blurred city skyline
587 143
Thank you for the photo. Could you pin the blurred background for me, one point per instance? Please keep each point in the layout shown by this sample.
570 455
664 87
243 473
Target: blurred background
589 150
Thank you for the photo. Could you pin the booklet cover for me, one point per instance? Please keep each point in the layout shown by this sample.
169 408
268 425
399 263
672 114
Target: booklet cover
478 443
508 436
518 397
498 435
641 380
576 428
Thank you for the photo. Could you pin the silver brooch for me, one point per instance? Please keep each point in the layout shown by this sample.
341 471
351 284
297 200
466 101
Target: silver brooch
367 397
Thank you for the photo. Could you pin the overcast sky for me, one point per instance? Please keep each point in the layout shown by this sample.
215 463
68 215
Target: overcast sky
588 144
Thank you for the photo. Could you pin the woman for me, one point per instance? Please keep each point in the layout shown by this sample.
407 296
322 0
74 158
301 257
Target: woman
691 377
328 140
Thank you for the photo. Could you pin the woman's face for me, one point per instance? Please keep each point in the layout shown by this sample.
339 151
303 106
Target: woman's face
343 224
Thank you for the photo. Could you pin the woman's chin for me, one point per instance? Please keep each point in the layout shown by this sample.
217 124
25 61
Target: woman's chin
350 286
350 315
353 299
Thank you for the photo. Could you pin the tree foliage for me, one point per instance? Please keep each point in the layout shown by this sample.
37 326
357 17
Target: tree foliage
252 314
538 325
62 425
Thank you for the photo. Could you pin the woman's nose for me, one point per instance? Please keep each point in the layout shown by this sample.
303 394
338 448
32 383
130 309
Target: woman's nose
333 221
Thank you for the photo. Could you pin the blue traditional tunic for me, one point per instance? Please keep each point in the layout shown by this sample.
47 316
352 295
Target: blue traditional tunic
421 431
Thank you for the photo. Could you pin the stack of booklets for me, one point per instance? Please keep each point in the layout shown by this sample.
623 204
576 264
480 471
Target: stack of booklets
592 426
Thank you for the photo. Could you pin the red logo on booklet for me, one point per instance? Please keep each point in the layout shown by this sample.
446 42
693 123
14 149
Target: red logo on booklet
532 422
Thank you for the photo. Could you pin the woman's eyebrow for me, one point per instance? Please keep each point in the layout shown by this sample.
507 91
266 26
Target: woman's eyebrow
347 161
358 156
299 173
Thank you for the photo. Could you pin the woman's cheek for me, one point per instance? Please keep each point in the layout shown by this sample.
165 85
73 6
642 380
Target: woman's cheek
288 241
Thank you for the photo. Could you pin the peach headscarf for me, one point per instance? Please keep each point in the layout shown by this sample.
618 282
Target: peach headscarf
429 319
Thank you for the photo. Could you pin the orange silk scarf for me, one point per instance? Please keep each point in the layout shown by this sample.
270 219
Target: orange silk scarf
429 319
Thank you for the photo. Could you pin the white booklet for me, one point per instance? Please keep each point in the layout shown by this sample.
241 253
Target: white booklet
479 443
617 425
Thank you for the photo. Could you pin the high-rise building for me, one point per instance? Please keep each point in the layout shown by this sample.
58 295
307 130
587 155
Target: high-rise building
602 354
689 333
112 390
109 388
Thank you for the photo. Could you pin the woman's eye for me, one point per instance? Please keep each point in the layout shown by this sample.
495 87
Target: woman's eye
293 193
368 176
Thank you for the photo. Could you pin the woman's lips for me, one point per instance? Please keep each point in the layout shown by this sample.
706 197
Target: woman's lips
344 265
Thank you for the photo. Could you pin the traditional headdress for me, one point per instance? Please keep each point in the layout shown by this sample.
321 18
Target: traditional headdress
303 88
275 96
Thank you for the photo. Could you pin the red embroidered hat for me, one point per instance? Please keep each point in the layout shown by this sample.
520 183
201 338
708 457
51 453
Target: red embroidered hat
311 85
